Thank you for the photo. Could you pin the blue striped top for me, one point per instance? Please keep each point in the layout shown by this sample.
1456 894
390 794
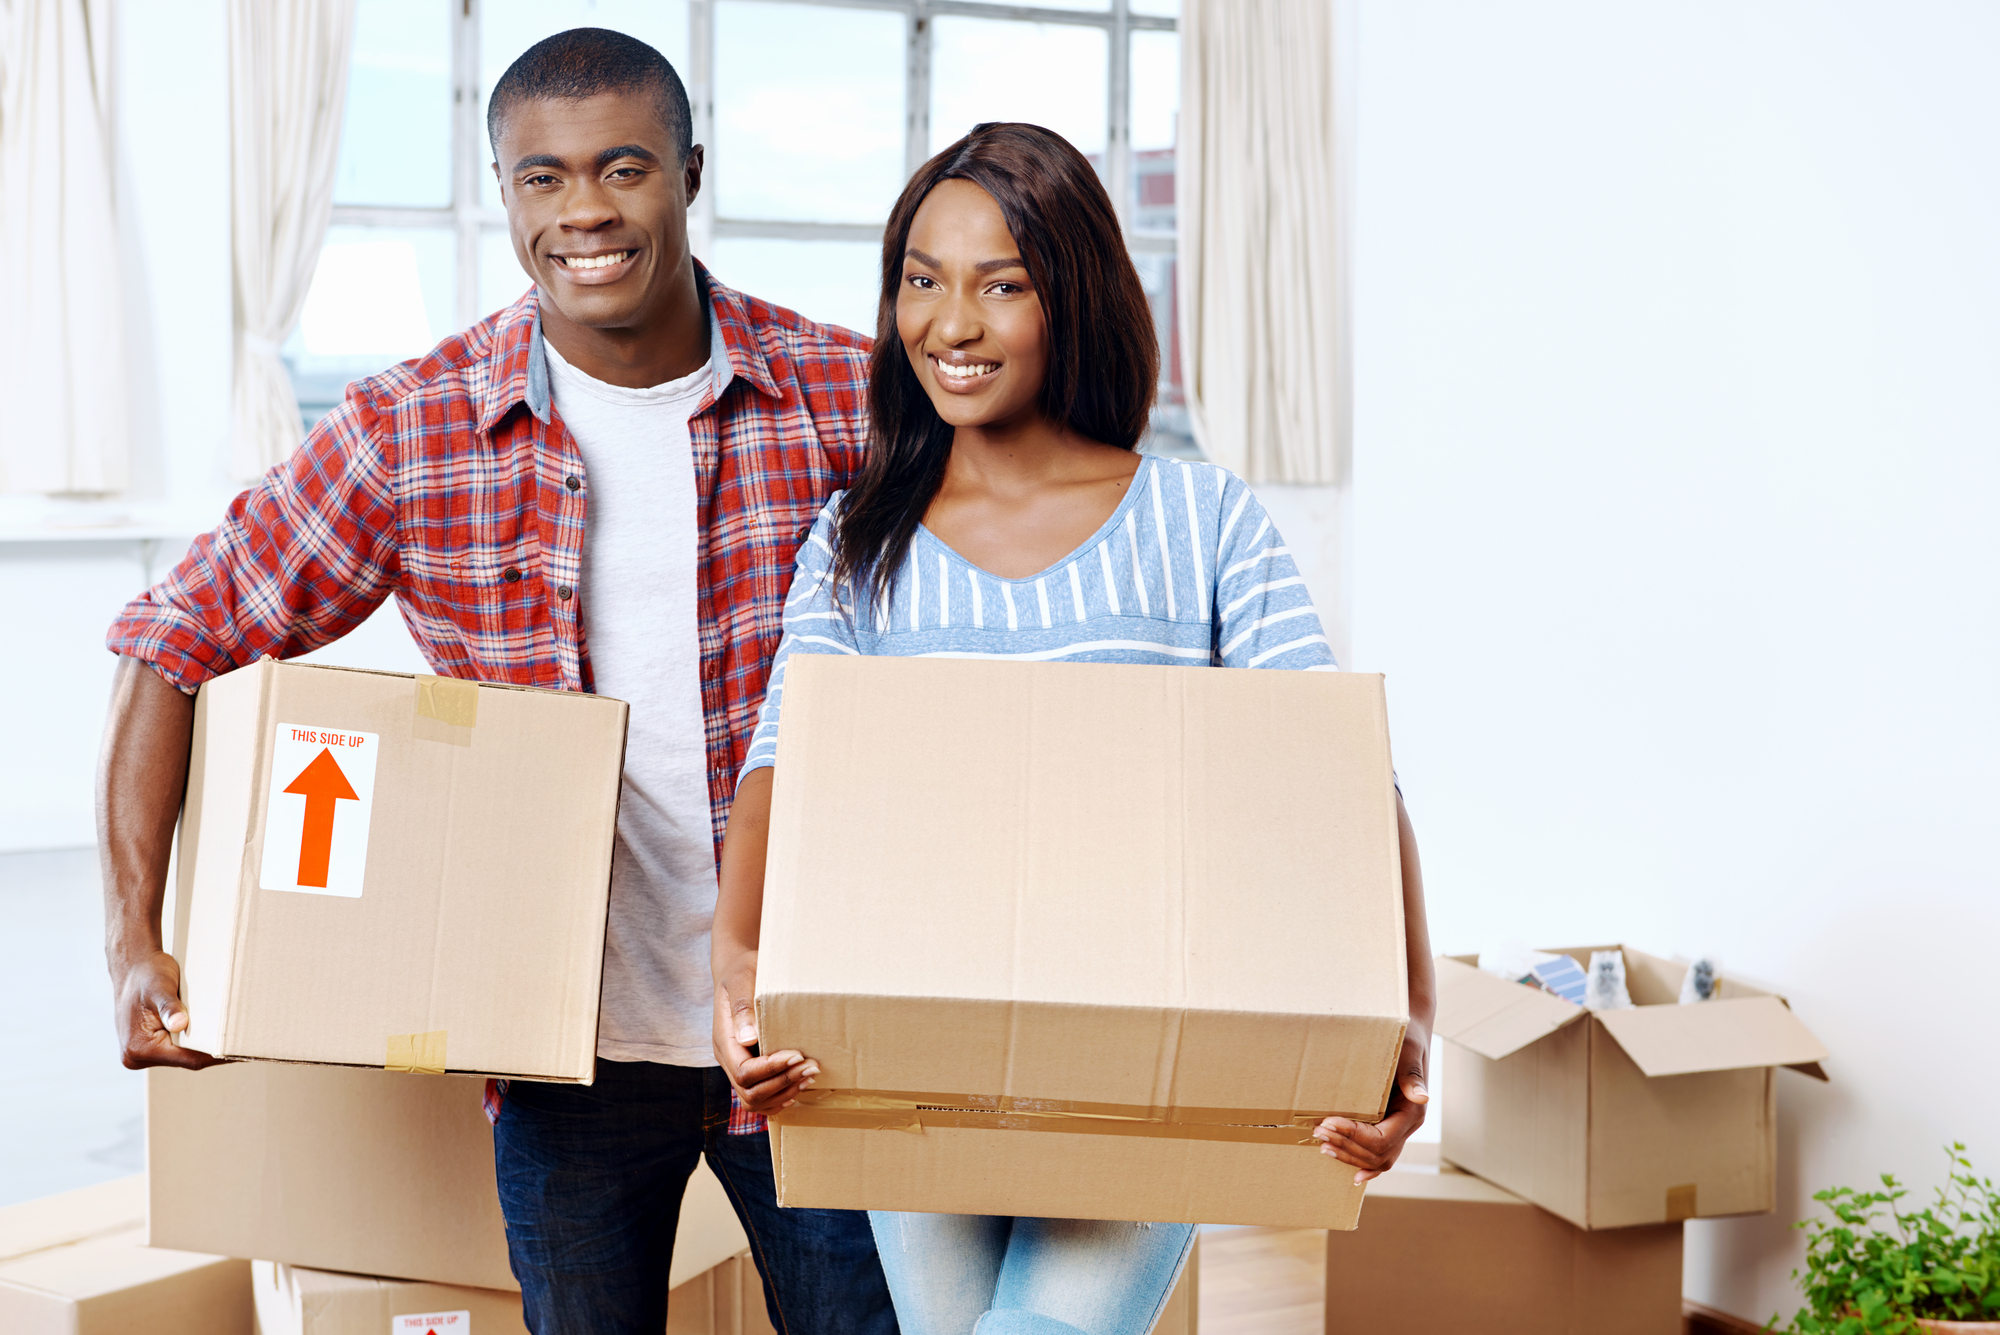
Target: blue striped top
1187 570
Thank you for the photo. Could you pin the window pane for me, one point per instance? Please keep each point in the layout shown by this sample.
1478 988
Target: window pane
1165 8
1051 74
1156 111
1170 432
809 112
502 280
834 282
381 295
395 138
509 27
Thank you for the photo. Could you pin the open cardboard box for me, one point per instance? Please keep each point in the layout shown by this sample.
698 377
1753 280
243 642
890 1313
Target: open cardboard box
78 1264
383 870
1655 1114
1442 1253
1081 940
367 1172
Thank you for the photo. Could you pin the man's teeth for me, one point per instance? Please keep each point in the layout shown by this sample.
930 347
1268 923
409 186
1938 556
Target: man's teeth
595 261
966 372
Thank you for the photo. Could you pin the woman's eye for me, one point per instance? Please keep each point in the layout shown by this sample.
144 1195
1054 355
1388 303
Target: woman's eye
1007 289
918 280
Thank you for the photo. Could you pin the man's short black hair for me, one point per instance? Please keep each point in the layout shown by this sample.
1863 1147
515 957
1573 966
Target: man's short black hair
584 62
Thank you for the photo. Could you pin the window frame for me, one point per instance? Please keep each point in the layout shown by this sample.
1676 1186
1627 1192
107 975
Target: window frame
471 220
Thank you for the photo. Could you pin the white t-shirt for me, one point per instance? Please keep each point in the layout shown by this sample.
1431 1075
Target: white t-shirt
639 626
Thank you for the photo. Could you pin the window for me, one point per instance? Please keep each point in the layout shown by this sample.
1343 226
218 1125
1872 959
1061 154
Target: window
814 113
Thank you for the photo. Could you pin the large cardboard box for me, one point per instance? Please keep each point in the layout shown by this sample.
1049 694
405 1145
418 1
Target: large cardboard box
726 1299
1081 940
78 1264
1654 1114
367 1172
1446 1253
382 870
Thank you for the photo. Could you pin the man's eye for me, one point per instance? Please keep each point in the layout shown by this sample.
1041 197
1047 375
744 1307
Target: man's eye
624 173
542 178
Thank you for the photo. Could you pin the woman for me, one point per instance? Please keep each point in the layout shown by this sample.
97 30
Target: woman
1004 511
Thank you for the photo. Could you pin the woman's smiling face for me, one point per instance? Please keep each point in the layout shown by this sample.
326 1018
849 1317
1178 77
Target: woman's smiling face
967 312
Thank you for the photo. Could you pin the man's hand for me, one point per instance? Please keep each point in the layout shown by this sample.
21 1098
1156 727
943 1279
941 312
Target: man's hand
148 1012
1374 1149
766 1084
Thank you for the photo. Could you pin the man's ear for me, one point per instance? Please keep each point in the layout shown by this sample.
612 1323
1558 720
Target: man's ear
691 172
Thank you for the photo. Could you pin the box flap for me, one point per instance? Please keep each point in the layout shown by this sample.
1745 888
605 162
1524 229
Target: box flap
1722 1035
1492 1016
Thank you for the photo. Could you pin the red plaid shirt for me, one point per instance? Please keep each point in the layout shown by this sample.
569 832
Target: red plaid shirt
450 482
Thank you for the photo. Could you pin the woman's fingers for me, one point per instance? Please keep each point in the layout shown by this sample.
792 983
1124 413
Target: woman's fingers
776 1090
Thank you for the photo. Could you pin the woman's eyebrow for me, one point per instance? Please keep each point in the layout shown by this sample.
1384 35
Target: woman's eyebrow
984 266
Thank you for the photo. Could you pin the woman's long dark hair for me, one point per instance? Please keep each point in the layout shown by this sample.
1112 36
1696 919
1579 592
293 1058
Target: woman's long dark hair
1104 359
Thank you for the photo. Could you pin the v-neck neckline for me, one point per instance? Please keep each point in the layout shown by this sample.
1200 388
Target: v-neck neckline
1147 467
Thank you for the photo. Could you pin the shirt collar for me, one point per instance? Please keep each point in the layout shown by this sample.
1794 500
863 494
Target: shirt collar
521 373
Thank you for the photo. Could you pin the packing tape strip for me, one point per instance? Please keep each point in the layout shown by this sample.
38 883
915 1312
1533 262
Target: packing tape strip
419 1054
448 701
1681 1203
891 1110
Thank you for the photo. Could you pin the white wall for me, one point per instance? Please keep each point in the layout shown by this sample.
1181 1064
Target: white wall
172 115
1677 455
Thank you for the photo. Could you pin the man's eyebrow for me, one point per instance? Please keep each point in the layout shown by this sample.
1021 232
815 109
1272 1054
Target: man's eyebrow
611 155
984 266
538 160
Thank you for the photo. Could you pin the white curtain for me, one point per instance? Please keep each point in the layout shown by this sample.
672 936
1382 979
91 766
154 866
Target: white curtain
62 327
1263 245
287 87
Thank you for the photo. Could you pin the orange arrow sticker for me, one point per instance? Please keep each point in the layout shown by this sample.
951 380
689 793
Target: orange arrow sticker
316 823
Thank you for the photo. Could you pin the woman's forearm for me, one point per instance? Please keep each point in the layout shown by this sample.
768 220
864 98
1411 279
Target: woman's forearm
739 904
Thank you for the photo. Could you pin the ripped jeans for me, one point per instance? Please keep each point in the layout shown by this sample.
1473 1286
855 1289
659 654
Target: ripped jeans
954 1274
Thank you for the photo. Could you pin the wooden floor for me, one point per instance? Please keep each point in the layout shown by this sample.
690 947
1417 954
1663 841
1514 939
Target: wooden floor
1263 1281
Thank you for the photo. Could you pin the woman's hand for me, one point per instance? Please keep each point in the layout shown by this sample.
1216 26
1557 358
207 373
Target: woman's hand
1375 1149
765 1084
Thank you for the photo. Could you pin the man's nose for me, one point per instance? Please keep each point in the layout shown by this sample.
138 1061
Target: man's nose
587 207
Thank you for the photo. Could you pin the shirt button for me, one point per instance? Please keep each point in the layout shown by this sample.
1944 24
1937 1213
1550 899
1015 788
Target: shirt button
562 592
571 482
511 575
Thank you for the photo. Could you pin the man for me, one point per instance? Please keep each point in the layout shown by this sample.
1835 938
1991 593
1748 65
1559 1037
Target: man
601 487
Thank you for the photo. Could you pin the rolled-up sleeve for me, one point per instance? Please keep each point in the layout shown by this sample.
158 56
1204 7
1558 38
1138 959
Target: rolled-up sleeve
300 559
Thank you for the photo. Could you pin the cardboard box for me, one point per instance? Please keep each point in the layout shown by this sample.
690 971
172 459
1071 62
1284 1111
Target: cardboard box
382 870
78 1264
368 1172
1650 1115
1081 940
1446 1253
726 1299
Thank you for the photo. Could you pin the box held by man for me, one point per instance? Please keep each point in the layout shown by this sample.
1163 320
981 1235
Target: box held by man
392 871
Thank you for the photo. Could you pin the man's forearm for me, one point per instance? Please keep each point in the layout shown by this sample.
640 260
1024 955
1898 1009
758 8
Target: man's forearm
141 778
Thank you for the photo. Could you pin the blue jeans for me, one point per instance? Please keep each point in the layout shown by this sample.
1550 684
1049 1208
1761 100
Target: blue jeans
591 1179
954 1273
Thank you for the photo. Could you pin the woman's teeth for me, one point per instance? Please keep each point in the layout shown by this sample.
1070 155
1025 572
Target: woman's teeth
595 261
967 372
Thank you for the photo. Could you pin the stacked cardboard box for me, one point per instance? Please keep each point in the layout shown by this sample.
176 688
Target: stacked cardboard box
1574 1143
363 1172
1086 940
1442 1252
1652 1114
78 1264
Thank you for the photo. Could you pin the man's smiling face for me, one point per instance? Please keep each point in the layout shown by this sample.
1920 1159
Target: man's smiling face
597 201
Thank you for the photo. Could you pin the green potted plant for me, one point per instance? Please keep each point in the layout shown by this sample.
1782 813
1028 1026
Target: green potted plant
1874 1270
